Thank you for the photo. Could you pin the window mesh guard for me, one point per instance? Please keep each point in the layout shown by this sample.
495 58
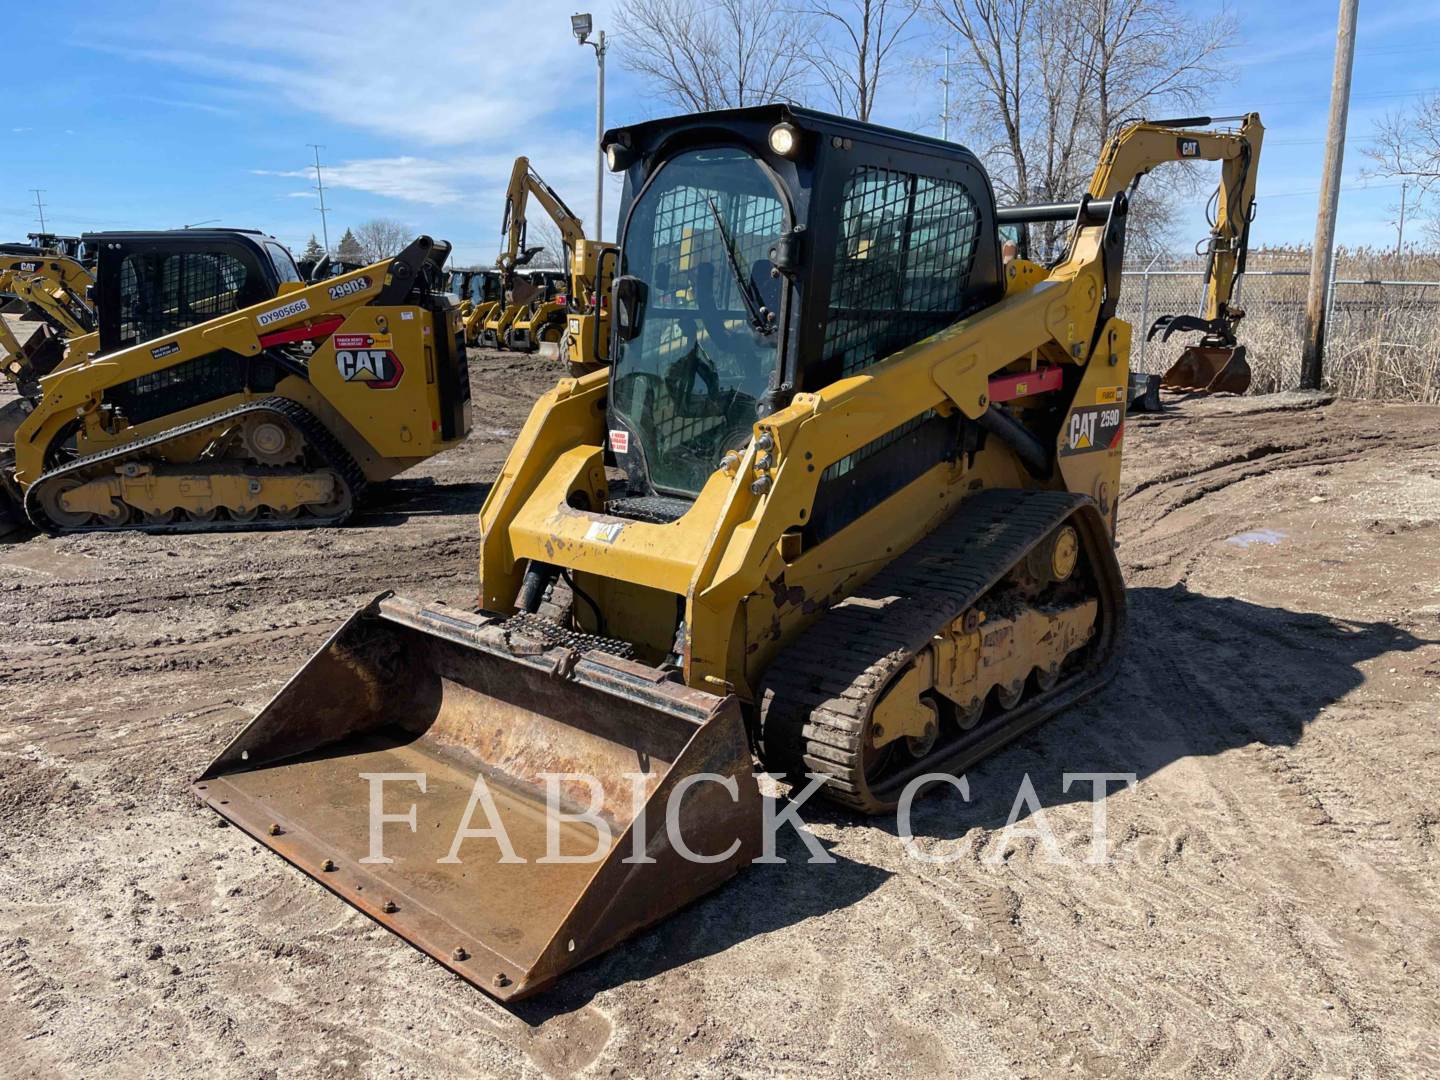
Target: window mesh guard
161 294
902 263
687 239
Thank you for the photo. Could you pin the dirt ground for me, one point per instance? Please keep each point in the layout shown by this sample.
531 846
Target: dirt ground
1270 904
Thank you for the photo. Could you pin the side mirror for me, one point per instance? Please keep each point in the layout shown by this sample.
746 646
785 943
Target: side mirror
630 295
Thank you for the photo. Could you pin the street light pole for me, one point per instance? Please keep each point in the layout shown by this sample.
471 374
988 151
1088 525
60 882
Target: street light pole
581 26
945 112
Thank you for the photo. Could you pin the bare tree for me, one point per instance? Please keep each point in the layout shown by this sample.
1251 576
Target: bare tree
1406 145
718 55
1049 80
865 35
543 233
380 238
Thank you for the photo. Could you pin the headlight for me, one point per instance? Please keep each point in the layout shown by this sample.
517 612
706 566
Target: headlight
619 156
784 139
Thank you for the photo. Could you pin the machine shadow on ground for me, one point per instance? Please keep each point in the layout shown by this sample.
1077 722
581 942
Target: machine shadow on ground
397 501
1202 675
759 900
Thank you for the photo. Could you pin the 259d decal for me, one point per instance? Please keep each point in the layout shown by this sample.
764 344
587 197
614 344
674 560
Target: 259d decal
1093 427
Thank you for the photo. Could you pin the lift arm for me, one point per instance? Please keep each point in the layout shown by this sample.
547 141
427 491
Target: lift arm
1137 149
53 285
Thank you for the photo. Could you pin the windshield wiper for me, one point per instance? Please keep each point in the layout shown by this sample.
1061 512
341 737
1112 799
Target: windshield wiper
746 287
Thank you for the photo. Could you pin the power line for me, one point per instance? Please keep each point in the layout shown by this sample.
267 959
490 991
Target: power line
39 205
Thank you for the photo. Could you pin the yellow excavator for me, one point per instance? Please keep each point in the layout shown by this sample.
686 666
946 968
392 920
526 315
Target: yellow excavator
1217 362
531 311
844 499
224 392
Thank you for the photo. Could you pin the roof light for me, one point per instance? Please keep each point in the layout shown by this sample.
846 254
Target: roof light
785 139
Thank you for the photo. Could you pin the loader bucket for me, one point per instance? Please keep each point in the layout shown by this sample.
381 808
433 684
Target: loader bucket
467 719
12 507
1209 369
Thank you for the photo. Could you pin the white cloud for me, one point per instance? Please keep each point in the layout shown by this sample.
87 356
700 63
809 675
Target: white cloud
475 180
461 77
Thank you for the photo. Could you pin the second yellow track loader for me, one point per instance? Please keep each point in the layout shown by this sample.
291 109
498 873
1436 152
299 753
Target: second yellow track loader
54 289
224 393
844 498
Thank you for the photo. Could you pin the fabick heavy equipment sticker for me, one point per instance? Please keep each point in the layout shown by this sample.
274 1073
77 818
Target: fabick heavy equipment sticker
367 358
1093 427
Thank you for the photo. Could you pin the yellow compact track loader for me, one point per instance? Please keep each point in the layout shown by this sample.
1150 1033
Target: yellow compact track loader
222 392
480 292
543 319
845 497
55 290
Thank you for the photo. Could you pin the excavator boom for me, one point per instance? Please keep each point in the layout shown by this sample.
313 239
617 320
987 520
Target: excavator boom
1217 363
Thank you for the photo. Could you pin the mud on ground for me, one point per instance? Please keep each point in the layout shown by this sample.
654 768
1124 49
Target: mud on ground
1271 903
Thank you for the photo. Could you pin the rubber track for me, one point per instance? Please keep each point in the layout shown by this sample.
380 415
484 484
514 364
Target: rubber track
818 692
334 457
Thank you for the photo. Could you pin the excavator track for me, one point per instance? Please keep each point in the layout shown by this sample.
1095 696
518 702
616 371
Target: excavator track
318 439
820 691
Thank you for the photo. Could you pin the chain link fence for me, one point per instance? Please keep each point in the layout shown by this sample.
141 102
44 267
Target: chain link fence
1382 339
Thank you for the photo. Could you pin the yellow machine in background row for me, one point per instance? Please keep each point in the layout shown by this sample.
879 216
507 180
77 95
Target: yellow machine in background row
226 393
531 312
1217 362
845 495
54 289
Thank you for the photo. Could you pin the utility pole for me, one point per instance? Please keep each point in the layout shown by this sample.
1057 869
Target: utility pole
320 187
1312 357
945 111
39 205
1400 228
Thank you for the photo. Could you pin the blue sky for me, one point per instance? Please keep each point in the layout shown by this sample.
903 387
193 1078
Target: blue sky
158 115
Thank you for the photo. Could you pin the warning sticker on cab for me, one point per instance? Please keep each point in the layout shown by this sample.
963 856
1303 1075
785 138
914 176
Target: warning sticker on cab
1091 428
604 531
620 442
1109 395
295 307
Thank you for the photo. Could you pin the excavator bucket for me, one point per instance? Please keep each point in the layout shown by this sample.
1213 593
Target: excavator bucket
510 807
1209 369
